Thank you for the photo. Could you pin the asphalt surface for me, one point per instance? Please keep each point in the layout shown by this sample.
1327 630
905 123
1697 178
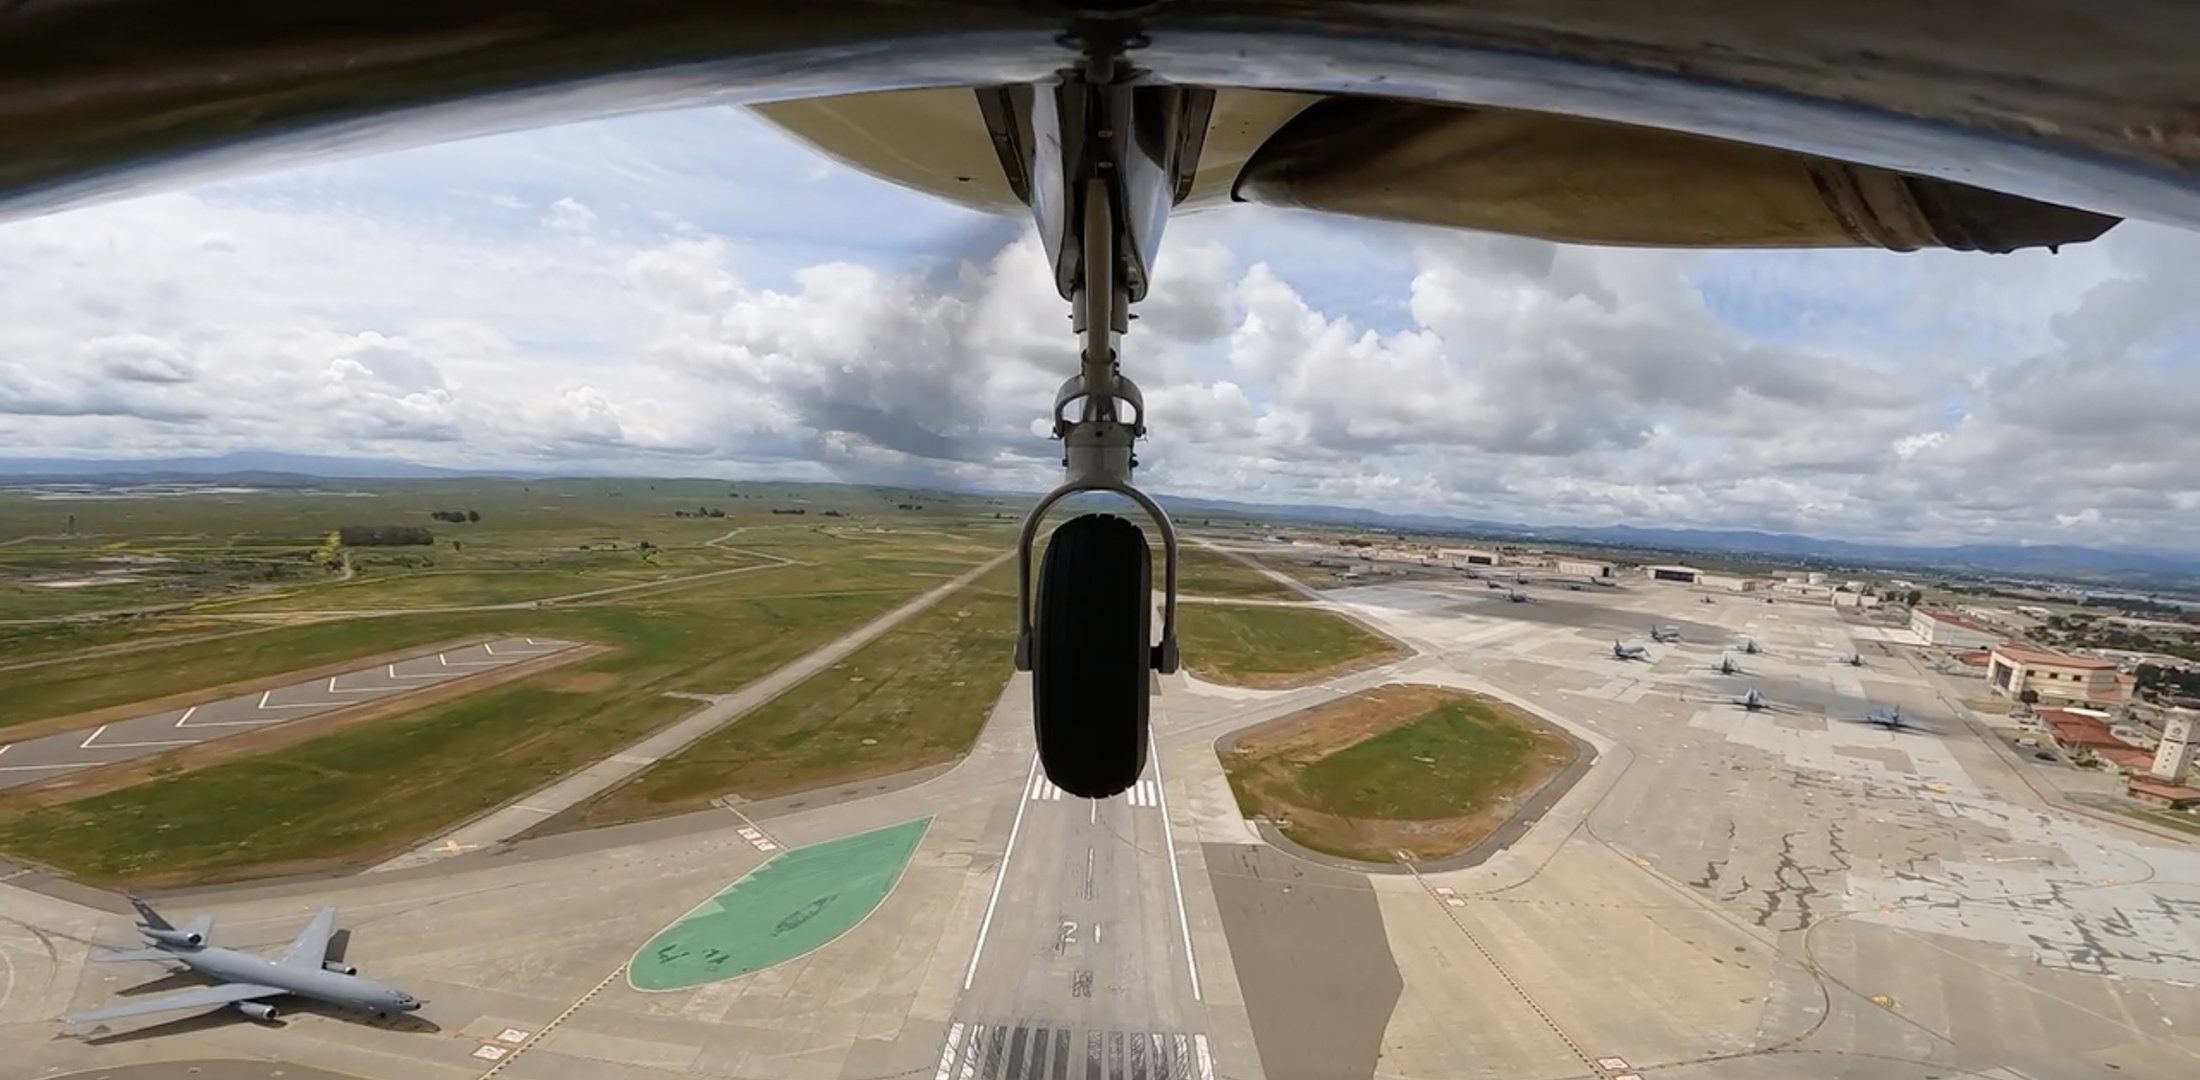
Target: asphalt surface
1082 969
1309 948
35 760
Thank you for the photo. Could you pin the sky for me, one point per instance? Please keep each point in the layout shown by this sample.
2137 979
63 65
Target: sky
693 294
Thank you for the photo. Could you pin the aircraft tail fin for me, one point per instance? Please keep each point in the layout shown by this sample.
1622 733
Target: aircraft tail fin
149 918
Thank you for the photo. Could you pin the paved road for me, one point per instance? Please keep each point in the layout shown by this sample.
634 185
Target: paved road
33 760
530 810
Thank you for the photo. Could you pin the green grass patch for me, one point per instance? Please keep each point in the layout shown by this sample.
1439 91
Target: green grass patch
1449 761
1421 769
1203 572
370 790
677 621
2173 819
917 696
1273 646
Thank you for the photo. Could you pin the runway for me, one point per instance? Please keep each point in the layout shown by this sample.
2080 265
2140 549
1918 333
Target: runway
34 760
1083 968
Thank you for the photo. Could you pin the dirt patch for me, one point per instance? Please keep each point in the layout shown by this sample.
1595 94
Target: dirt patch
102 779
185 698
1265 765
582 682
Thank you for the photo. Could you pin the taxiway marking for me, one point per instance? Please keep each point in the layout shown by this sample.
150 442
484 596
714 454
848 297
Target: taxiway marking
102 729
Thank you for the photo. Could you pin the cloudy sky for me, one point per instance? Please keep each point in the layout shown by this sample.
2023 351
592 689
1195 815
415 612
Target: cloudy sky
691 294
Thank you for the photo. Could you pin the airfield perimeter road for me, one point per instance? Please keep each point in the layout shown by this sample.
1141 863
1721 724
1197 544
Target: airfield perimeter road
33 760
1725 896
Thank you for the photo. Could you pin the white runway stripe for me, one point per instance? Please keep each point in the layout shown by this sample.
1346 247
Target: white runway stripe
1043 789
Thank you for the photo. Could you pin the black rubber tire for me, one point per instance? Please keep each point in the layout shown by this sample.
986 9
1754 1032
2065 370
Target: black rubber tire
1092 655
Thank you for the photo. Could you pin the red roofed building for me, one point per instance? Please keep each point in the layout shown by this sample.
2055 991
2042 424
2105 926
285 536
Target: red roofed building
2166 795
2015 667
2077 731
2129 760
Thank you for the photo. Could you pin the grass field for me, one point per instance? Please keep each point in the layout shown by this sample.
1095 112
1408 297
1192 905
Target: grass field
366 790
375 789
1203 572
1274 646
2180 821
917 696
1405 768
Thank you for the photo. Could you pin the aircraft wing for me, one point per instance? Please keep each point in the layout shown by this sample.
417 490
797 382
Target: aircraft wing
124 956
311 946
204 997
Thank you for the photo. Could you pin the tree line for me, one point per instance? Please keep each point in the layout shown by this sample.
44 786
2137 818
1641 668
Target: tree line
457 517
383 535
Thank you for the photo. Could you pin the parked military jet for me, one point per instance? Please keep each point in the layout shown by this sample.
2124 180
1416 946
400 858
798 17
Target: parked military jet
1853 659
244 981
1891 719
1727 666
1667 633
1628 652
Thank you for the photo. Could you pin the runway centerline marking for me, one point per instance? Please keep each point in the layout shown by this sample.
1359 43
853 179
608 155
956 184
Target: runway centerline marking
1000 876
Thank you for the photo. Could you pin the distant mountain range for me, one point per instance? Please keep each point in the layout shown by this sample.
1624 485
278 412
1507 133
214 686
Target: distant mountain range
2013 559
228 465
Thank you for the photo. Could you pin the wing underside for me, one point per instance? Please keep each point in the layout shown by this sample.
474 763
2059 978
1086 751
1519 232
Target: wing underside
204 997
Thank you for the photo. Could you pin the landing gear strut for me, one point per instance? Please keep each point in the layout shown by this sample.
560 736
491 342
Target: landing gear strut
1103 156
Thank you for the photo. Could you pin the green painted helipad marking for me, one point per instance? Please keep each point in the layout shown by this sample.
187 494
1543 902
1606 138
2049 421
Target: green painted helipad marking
796 902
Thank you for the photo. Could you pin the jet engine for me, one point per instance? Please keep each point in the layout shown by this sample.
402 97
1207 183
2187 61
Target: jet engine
189 939
257 1010
340 969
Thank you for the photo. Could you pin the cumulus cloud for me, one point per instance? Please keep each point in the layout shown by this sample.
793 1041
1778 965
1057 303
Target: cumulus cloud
572 298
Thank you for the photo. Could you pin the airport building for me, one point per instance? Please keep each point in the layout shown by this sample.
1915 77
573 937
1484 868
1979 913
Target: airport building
2165 795
2180 740
2014 668
1587 568
1469 556
1680 575
1948 630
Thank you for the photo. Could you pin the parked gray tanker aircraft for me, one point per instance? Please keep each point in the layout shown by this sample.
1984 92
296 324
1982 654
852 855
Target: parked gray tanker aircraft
1985 127
244 981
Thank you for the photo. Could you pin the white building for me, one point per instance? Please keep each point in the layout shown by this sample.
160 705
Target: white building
2173 755
1587 568
1470 556
1948 630
1683 575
